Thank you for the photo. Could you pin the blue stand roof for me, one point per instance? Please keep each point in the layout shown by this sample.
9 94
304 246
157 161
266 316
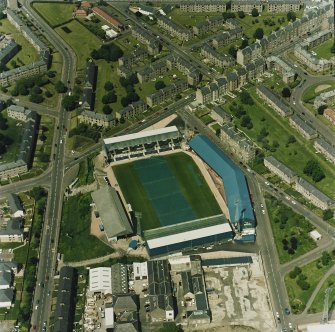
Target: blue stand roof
235 184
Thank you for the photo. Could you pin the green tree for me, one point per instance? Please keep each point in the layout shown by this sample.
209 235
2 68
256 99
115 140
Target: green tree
246 98
109 86
332 50
241 14
159 85
246 122
60 87
327 214
233 51
36 90
321 109
107 109
286 92
70 102
110 97
254 12
244 43
259 33
326 258
44 157
291 139
314 170
34 98
291 16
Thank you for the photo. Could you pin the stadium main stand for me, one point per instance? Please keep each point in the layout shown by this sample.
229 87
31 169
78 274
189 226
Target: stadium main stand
235 185
141 144
188 235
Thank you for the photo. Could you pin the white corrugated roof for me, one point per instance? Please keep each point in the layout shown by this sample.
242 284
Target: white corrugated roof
321 328
189 235
109 317
101 279
141 134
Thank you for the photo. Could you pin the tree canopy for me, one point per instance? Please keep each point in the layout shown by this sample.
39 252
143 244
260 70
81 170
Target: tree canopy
314 170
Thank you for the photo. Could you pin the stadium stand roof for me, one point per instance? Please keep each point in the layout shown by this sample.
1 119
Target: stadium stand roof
111 212
145 137
235 185
186 231
227 261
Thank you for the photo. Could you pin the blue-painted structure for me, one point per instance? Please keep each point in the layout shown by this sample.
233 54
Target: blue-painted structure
235 184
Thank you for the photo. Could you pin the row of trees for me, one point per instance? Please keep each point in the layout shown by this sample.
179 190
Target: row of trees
40 196
5 140
83 129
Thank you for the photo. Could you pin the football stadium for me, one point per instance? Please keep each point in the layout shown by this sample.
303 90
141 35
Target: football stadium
175 207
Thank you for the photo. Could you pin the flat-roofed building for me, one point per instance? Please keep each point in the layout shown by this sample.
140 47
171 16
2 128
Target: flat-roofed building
140 270
273 101
111 213
304 128
119 279
327 149
100 280
278 168
314 195
142 143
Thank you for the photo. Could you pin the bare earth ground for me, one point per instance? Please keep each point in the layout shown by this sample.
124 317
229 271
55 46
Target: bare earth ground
322 87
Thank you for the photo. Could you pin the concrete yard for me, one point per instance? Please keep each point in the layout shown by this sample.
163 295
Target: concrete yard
239 297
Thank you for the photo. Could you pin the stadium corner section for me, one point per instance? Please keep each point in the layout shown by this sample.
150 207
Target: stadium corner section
236 189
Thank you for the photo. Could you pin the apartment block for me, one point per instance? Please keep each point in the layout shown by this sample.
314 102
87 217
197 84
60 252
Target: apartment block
174 29
203 7
130 111
225 37
216 58
249 53
18 113
283 6
138 55
318 38
237 142
98 119
205 26
152 70
325 148
13 231
273 101
213 91
278 168
303 127
288 74
167 93
310 60
153 45
314 195
8 49
324 98
246 5
218 114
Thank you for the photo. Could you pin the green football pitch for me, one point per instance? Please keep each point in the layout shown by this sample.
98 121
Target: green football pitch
166 189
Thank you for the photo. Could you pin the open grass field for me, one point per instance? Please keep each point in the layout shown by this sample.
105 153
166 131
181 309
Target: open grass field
294 155
189 19
317 305
249 28
27 54
324 50
166 190
76 243
314 272
76 38
54 13
285 224
15 133
311 92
